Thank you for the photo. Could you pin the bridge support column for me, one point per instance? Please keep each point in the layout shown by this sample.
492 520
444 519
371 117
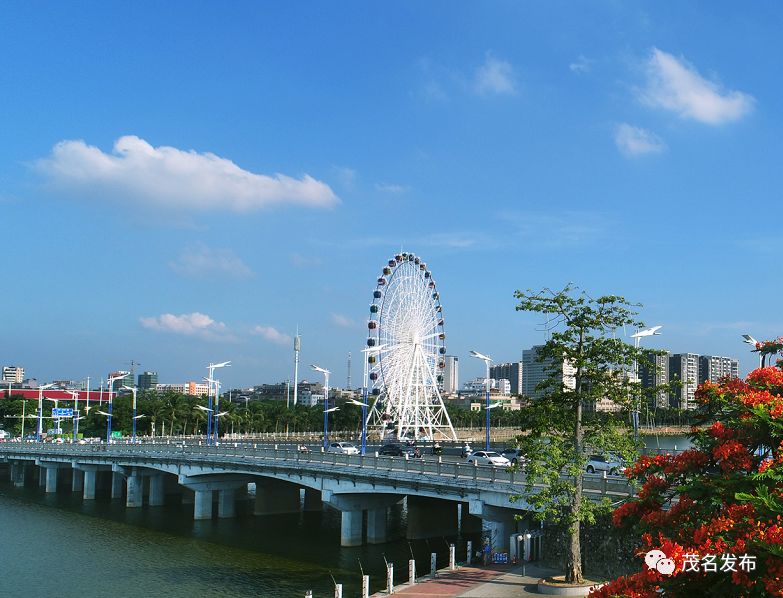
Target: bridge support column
312 500
430 518
77 480
116 484
90 482
275 498
157 496
376 525
497 524
351 528
226 503
51 479
41 476
202 507
135 496
17 474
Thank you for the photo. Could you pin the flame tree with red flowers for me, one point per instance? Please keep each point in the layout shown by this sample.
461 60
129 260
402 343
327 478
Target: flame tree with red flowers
721 499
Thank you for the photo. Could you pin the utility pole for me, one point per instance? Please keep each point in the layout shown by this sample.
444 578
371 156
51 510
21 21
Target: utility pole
297 348
349 387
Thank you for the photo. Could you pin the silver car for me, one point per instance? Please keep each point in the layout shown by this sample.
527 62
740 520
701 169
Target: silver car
610 465
343 448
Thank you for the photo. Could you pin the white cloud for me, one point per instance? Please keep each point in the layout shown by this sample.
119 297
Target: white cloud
581 65
193 324
495 77
676 85
634 141
559 229
346 176
343 321
273 335
200 261
169 177
391 188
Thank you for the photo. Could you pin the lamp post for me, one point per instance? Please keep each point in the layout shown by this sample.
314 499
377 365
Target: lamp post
40 410
746 338
110 384
212 367
75 395
487 360
638 336
134 390
326 402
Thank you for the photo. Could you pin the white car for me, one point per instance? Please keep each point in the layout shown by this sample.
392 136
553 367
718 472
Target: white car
343 448
610 465
488 458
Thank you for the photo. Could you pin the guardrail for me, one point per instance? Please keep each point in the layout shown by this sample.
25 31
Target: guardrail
373 466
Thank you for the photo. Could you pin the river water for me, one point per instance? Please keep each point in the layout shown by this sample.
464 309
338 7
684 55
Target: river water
58 544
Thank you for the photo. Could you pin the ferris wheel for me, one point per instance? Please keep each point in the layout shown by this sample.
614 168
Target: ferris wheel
406 353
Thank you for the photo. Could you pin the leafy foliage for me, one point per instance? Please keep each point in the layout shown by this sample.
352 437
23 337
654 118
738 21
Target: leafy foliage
723 497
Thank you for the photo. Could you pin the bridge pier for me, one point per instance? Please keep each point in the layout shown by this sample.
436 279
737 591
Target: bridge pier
135 495
41 476
227 503
275 497
376 525
90 482
18 474
49 473
77 480
202 506
497 524
430 518
157 491
351 528
117 483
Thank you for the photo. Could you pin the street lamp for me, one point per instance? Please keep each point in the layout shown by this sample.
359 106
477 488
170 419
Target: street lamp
638 336
487 360
110 383
75 395
212 367
365 394
134 390
746 338
326 403
40 410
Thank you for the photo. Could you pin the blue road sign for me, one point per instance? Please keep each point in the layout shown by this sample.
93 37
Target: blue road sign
62 412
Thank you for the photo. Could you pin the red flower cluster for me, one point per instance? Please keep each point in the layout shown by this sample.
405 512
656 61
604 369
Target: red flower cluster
747 416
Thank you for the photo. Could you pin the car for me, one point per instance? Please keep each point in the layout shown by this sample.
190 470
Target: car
609 464
399 450
514 455
488 458
343 448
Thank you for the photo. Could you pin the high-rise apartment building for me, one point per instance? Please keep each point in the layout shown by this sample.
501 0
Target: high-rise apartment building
654 373
148 381
684 370
121 378
535 371
713 368
508 371
13 373
451 375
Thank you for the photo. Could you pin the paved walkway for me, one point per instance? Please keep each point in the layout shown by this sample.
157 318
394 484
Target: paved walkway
477 582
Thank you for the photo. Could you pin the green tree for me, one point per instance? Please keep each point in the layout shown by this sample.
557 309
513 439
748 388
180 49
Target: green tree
560 430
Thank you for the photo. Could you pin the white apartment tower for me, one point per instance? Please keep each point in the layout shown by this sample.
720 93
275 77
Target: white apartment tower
451 375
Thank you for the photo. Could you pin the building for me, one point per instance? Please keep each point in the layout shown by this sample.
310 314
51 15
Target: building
195 389
147 381
121 378
535 371
451 375
508 371
713 368
13 373
654 373
684 372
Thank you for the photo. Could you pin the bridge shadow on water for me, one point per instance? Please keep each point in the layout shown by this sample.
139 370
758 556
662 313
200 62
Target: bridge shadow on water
163 551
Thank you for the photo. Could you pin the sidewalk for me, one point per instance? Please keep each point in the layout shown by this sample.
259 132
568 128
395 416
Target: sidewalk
476 582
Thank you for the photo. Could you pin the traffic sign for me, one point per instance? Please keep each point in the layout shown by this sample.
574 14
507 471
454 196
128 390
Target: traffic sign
62 412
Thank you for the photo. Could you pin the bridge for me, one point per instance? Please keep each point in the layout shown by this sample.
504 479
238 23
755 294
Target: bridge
442 496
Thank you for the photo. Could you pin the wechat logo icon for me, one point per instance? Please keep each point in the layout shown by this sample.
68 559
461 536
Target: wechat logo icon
657 559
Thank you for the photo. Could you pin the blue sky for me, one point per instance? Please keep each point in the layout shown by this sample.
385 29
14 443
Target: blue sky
185 182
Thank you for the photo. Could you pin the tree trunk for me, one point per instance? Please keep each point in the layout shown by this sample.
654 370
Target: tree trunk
574 554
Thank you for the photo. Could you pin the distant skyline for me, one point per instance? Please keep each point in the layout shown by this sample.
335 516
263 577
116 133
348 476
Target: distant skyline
189 182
